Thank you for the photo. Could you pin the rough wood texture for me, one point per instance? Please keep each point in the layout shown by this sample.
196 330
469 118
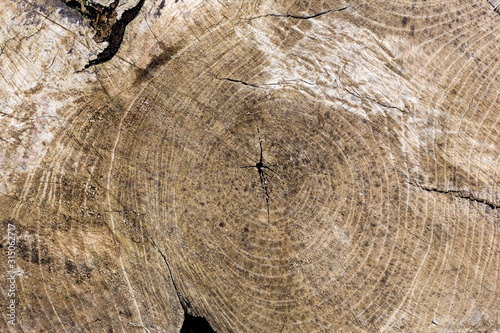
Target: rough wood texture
272 166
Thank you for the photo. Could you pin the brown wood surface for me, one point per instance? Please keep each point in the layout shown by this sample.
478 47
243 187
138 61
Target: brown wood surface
271 166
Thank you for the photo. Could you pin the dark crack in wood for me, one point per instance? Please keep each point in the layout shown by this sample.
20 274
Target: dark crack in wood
282 327
116 37
104 21
300 17
260 166
191 323
496 5
457 193
194 324
182 300
373 100
238 81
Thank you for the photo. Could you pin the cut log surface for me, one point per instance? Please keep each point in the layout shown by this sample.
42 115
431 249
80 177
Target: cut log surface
271 166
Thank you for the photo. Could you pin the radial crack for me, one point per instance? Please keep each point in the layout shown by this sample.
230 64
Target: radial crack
457 193
260 166
182 300
299 17
373 100
264 85
238 81
191 323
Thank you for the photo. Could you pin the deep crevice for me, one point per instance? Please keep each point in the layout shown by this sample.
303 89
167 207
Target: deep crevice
459 194
103 20
194 324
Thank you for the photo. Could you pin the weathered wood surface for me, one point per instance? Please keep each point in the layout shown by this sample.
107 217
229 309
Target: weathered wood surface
128 188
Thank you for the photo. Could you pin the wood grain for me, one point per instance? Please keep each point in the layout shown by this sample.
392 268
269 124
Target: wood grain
136 189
